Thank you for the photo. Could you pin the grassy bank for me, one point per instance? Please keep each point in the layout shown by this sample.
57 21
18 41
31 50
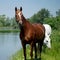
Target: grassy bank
52 54
8 29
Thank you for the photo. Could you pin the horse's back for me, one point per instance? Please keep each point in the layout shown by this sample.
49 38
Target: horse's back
39 27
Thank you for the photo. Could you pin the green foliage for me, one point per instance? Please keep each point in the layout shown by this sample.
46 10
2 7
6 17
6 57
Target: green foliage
48 54
43 13
44 16
14 23
7 22
58 12
54 22
40 16
34 19
2 20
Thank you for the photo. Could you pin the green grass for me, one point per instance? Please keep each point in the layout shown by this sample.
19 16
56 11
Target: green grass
49 54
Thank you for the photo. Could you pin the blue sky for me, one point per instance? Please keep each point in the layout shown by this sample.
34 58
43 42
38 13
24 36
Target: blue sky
30 7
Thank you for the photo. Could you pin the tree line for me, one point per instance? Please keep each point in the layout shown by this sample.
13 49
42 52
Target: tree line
7 22
42 16
45 17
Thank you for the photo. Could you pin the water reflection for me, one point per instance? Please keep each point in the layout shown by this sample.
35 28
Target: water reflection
9 44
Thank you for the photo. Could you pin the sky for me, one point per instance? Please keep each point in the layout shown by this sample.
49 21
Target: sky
30 7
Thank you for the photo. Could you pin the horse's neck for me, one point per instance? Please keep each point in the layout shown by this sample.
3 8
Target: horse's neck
26 24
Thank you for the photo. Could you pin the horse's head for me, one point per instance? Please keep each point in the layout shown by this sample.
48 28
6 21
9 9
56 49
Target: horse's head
47 42
18 15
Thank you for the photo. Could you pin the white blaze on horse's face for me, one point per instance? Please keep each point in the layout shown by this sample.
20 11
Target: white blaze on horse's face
20 17
47 42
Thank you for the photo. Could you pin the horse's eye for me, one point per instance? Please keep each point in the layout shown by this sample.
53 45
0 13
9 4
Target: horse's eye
20 13
46 41
15 15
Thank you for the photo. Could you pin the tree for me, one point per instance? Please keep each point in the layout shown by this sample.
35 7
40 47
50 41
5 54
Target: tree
14 23
58 13
33 19
7 22
40 16
2 19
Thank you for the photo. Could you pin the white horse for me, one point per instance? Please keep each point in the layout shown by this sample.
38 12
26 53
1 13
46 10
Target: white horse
47 29
47 40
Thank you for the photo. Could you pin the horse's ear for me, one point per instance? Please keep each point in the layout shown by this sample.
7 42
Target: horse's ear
15 8
20 8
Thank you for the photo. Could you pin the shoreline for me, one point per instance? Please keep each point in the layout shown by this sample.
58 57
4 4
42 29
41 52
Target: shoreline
10 30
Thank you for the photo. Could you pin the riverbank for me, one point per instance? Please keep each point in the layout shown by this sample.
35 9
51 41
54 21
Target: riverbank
8 29
52 54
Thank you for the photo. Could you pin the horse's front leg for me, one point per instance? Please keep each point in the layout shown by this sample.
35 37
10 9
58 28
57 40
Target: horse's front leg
31 52
24 50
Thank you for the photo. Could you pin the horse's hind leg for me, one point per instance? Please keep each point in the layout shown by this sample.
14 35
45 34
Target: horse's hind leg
40 49
31 52
35 51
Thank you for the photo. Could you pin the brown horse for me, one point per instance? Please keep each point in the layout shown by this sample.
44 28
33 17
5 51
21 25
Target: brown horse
30 33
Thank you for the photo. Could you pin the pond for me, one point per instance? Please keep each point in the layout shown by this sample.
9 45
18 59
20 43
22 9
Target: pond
9 44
